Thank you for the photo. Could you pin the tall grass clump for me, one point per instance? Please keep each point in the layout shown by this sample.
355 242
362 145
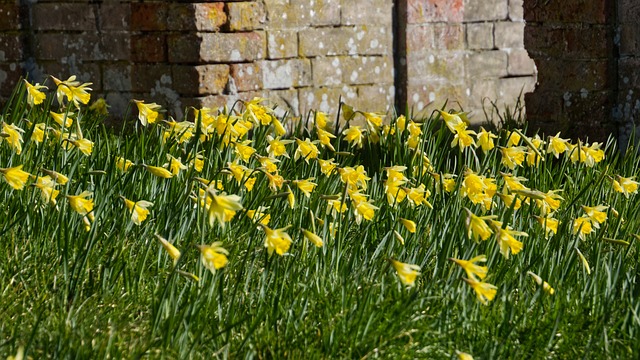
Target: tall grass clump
248 234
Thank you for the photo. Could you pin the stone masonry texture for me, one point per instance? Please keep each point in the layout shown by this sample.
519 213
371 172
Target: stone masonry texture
580 56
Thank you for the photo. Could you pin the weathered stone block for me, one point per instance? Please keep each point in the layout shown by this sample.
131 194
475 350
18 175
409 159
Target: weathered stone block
629 39
148 48
249 15
326 99
327 71
426 11
10 47
446 67
282 15
10 17
282 44
317 12
480 36
520 63
200 79
149 16
367 12
346 40
146 77
509 89
65 16
375 98
114 16
588 12
283 74
216 47
117 77
516 10
449 36
198 16
488 64
420 39
246 76
509 35
594 42
485 10
573 75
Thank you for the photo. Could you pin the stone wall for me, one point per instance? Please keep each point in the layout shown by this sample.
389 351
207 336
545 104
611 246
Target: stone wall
470 52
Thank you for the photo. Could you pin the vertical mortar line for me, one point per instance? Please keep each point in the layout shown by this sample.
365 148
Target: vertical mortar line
399 33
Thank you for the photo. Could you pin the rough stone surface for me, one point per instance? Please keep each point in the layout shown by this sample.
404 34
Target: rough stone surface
480 36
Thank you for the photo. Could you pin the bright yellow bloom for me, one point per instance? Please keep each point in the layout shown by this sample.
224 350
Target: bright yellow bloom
321 120
513 183
275 181
583 225
625 186
534 156
313 238
15 177
243 150
327 166
558 145
306 149
175 165
38 133
506 240
173 252
354 135
485 292
214 256
470 267
354 177
463 137
291 198
13 135
325 138
138 209
463 355
549 223
401 123
277 147
72 90
473 184
513 156
147 113
451 120
508 201
123 164
477 228
84 145
410 225
159 171
485 140
34 95
63 119
596 214
47 187
364 209
82 203
220 205
545 285
418 196
259 215
259 114
277 240
306 186
407 273
513 138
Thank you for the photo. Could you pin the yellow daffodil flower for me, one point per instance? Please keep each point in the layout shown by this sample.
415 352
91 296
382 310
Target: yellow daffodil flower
34 95
313 238
173 252
626 186
159 171
470 267
306 149
214 256
277 240
408 224
545 285
139 209
147 113
407 273
15 177
12 135
485 292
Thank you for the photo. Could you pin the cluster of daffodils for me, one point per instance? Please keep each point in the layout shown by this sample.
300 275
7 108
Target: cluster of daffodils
245 167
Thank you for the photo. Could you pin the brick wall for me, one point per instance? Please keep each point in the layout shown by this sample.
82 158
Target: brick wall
466 51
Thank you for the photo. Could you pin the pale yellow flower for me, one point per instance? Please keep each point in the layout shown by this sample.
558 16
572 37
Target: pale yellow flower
407 273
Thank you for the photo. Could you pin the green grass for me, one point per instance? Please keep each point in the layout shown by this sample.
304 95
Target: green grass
113 291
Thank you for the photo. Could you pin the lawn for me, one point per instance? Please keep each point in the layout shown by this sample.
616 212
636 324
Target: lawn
246 233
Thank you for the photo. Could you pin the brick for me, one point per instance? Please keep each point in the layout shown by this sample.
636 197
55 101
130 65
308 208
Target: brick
594 42
346 40
628 75
368 70
629 11
148 48
149 16
283 74
65 16
200 79
488 64
426 11
282 44
117 77
367 12
247 76
327 71
520 63
326 99
480 36
10 47
423 98
282 15
444 67
483 92
10 17
216 47
113 46
573 75
485 10
245 15
510 89
588 114
114 16
420 39
145 77
449 36
318 12
375 98
287 100
629 39
86 46
542 41
198 16
587 12
10 74
516 10
509 35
